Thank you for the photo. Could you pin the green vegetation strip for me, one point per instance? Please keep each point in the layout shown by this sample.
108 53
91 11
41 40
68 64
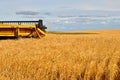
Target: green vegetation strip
70 33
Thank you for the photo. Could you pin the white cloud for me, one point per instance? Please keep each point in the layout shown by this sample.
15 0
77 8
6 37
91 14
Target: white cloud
108 5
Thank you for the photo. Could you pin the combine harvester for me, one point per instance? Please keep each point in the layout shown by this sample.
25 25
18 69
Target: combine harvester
22 29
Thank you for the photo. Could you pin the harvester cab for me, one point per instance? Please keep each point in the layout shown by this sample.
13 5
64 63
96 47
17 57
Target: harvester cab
22 29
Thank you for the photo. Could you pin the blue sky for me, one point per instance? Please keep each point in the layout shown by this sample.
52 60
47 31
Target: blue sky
12 6
49 9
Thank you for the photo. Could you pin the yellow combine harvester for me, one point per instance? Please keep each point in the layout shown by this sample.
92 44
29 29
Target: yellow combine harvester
22 29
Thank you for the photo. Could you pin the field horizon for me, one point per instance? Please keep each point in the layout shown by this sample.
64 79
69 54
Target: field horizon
79 55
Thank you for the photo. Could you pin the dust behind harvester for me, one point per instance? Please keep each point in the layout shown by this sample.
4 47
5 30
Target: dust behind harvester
22 29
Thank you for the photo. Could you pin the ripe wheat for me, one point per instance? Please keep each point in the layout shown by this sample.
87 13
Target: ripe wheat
61 57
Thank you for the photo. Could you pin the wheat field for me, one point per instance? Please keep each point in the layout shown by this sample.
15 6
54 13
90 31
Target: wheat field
62 57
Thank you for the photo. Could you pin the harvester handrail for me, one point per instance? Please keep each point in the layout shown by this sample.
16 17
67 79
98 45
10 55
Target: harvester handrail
19 22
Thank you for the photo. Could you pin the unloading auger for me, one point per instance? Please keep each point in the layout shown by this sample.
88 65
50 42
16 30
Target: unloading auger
22 29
